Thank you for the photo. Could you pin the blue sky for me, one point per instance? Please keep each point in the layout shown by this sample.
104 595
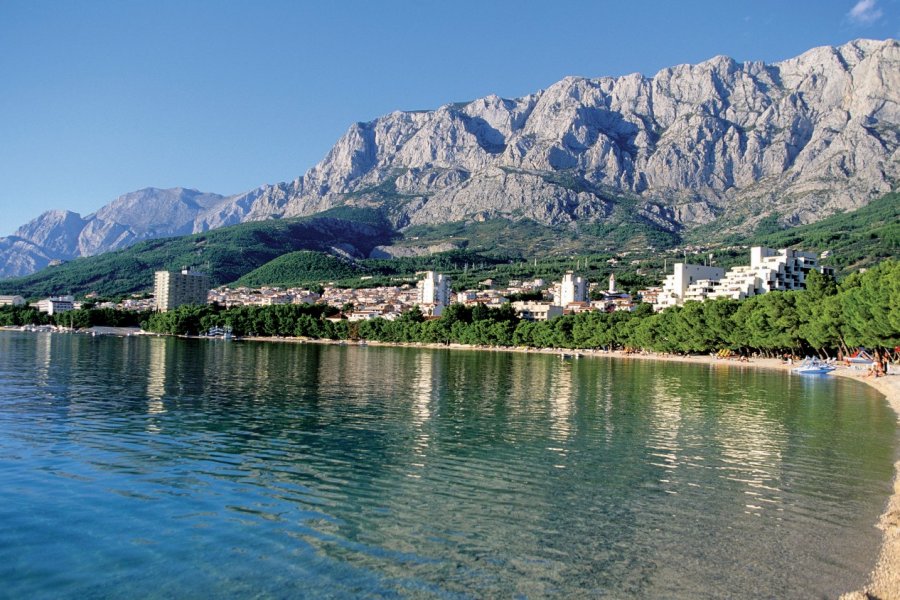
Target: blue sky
102 98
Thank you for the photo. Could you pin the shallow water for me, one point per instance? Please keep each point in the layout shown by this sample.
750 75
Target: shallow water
152 467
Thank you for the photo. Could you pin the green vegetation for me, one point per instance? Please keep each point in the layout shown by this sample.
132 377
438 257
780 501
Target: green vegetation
821 320
623 230
306 320
17 316
523 238
626 229
856 239
298 252
298 269
225 254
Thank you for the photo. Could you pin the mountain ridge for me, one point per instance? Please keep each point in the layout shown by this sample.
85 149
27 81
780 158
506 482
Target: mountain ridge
719 142
276 252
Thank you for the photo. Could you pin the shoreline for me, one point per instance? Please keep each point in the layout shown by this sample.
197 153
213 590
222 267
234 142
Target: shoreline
884 579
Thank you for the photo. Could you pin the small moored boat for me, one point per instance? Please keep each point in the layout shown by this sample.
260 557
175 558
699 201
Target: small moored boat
813 366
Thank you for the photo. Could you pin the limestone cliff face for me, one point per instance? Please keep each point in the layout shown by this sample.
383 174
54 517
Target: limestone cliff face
720 141
21 257
803 138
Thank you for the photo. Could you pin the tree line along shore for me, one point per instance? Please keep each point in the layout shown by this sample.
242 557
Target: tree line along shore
827 319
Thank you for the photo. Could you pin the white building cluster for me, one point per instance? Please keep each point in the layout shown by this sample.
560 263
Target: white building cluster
264 296
769 270
572 296
572 288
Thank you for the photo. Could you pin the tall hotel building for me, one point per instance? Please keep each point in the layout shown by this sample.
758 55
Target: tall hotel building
572 288
434 293
174 289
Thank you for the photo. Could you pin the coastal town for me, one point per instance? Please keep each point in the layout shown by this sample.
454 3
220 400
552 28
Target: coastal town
769 270
481 300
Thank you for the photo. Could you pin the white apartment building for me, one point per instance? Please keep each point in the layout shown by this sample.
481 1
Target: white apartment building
434 293
12 301
770 270
53 306
676 286
572 288
700 290
174 289
537 311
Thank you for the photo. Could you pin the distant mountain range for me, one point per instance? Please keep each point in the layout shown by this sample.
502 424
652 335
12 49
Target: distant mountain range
720 144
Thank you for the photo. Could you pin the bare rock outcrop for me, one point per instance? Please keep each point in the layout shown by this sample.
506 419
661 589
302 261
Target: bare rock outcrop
721 140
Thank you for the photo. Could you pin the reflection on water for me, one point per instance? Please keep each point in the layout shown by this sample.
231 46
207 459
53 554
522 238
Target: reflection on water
665 410
162 467
423 393
156 379
561 402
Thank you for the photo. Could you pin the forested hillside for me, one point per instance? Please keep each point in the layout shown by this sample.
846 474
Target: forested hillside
225 254
331 247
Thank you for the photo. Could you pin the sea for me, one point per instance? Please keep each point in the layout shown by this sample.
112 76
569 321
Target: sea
155 467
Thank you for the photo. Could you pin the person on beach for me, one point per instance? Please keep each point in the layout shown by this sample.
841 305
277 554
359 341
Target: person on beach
877 369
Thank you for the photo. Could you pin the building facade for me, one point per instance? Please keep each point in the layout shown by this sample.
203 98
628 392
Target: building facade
53 306
677 285
12 301
175 289
537 311
572 288
433 293
769 271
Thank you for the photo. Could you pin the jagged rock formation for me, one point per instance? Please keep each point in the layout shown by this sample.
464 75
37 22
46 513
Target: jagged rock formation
145 214
804 138
719 141
407 251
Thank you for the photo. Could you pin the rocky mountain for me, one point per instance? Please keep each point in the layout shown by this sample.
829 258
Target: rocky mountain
145 214
719 142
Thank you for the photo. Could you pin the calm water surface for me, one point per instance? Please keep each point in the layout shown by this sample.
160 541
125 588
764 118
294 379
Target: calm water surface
150 467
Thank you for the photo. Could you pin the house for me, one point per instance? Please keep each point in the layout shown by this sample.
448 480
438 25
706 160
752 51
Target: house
537 311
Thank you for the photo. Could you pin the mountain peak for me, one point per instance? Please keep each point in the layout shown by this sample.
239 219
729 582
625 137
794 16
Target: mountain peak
720 141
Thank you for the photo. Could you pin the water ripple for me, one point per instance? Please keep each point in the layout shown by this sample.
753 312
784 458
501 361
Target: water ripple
236 470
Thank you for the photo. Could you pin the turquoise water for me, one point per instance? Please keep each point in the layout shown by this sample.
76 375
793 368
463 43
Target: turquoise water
152 467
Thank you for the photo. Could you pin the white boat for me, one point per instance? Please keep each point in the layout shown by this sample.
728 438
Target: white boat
220 332
813 366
